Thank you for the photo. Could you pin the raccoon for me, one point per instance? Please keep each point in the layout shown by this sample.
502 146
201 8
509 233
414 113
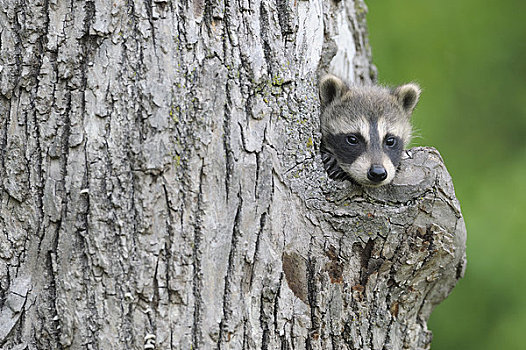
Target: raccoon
364 129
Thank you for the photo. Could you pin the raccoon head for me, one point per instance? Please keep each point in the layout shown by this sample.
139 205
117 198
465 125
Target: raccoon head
364 129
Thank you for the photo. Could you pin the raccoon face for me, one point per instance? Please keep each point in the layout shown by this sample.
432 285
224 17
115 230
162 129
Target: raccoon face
364 130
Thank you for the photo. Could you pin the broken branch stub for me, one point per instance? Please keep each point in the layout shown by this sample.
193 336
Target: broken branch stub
382 259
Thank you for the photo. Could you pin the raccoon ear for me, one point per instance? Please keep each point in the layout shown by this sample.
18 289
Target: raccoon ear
407 95
331 88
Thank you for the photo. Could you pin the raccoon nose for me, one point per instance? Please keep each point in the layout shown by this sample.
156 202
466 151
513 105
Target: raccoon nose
377 173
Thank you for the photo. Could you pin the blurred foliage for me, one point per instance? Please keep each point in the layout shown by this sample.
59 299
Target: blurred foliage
470 59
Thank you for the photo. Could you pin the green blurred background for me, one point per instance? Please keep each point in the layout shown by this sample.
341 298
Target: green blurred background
470 59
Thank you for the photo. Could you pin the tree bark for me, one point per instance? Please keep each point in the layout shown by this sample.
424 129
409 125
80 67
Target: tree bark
161 184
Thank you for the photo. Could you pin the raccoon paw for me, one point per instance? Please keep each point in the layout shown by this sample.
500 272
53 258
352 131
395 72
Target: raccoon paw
332 168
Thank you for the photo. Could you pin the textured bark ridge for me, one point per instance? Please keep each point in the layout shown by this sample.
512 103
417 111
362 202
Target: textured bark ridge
161 185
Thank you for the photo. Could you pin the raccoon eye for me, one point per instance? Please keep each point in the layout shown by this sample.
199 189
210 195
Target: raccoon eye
352 140
390 141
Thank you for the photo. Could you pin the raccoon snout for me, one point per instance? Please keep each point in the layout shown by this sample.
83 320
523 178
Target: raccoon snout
377 173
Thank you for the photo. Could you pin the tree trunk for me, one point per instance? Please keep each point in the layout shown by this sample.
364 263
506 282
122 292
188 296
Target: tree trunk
161 185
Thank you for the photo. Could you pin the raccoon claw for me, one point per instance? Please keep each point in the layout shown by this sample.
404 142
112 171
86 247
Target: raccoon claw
332 168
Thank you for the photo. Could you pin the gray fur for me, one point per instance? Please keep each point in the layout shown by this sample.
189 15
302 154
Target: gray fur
374 113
